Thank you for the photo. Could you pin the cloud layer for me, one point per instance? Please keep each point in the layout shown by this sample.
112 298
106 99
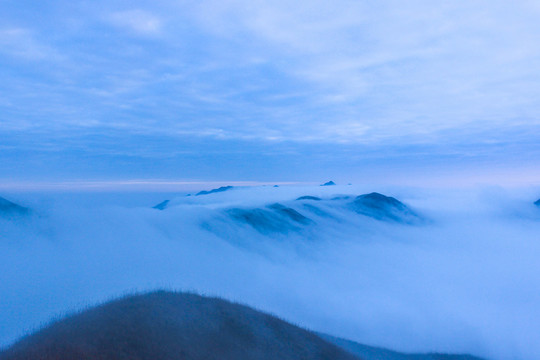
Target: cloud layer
443 76
466 281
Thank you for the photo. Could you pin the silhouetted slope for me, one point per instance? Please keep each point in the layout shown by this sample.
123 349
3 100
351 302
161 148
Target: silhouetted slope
308 213
218 190
162 205
169 326
274 218
328 183
279 218
165 204
383 207
8 208
375 353
309 197
537 202
300 215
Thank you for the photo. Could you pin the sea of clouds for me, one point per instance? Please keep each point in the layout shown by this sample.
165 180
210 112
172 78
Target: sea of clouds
466 280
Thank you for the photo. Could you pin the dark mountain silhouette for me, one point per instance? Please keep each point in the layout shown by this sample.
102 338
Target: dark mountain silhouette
383 207
165 325
162 205
537 202
9 209
305 211
274 218
172 326
366 352
308 197
329 183
290 213
294 216
220 189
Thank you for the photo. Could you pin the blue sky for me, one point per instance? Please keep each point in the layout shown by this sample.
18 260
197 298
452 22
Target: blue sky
269 90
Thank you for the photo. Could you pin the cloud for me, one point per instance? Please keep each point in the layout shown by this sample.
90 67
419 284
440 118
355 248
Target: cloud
137 21
466 282
22 43
428 66
456 77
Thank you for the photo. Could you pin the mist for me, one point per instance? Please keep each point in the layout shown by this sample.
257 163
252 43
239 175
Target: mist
462 280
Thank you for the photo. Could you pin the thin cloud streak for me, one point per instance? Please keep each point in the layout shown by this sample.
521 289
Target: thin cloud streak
138 21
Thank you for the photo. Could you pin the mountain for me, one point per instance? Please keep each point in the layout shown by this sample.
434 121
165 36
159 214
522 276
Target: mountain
306 210
9 209
329 183
537 202
218 190
168 326
162 205
274 218
292 214
383 207
309 197
165 204
366 352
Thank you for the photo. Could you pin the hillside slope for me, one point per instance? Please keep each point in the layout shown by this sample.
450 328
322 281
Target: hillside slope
376 353
169 326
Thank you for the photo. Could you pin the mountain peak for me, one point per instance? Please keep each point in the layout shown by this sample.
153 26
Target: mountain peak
382 207
170 325
328 183
218 190
162 205
10 208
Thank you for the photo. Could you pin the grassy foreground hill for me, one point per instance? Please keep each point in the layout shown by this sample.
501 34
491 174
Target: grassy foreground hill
165 325
170 326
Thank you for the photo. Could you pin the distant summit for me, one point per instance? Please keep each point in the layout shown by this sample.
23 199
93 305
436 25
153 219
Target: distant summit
165 204
162 205
329 183
8 208
274 218
173 326
382 207
537 202
218 190
308 197
307 212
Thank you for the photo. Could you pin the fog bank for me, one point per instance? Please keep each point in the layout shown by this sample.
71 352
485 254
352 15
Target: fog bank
465 279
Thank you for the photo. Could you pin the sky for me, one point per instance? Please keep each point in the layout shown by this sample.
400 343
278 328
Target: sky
269 91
